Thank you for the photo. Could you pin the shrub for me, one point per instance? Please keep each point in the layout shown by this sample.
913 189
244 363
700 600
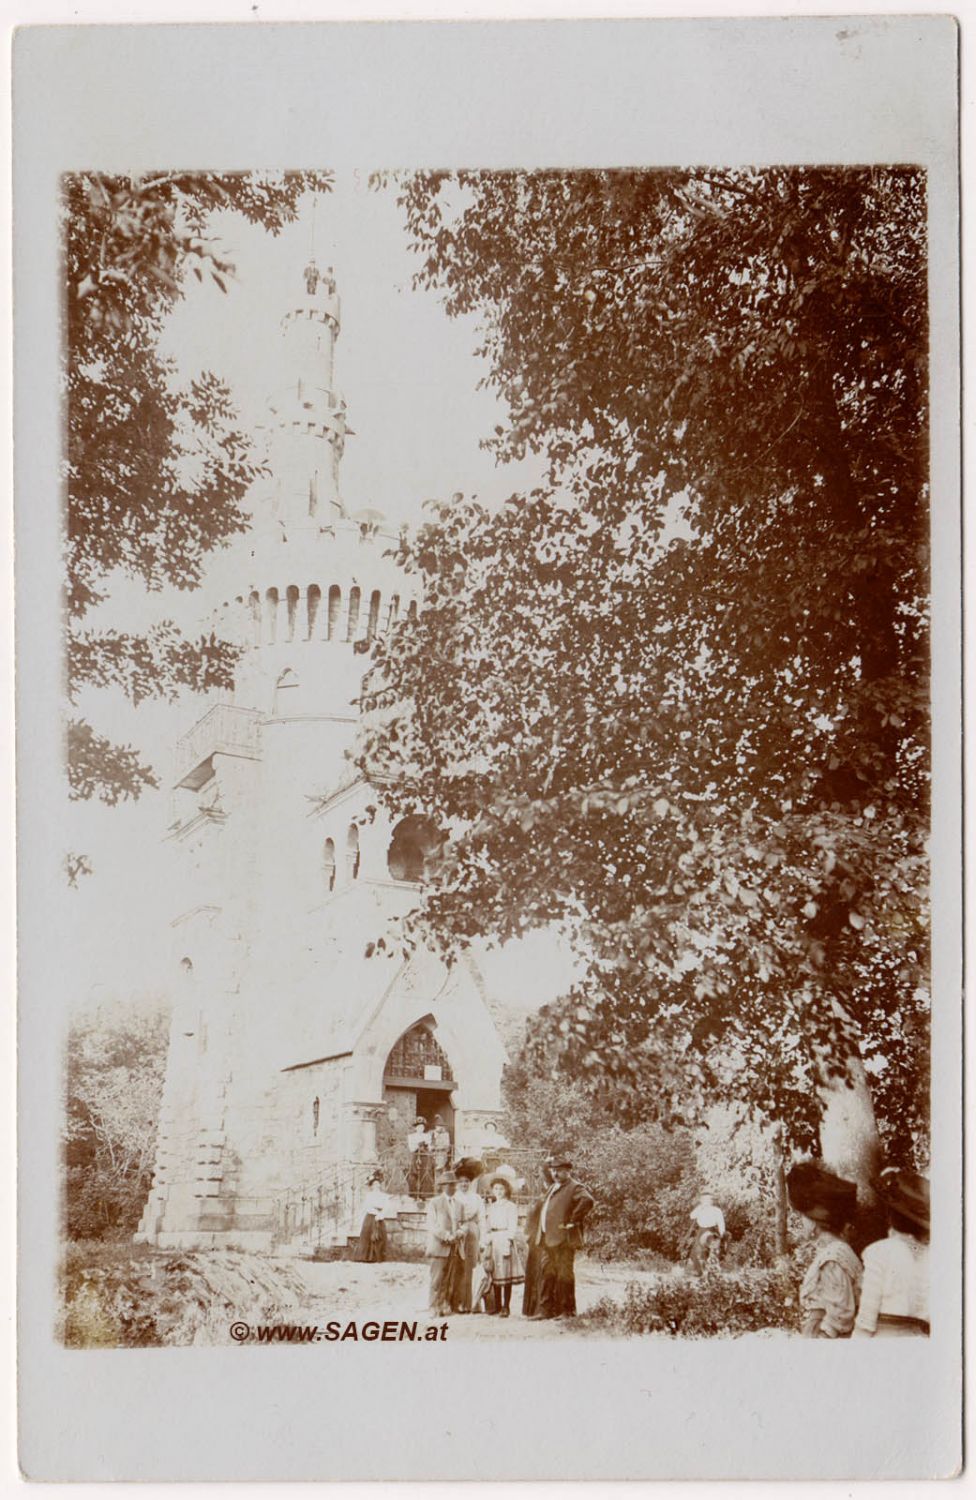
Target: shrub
715 1304
116 1295
646 1186
115 1060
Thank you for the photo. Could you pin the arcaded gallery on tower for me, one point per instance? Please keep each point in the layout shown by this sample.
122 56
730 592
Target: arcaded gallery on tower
296 1064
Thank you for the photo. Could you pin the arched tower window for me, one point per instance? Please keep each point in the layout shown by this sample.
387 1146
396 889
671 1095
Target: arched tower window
352 852
186 967
393 611
313 598
284 688
329 864
335 611
316 1109
412 610
271 615
414 840
254 604
291 595
373 623
354 597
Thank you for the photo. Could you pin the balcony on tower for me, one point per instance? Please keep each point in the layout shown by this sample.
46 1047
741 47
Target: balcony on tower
224 730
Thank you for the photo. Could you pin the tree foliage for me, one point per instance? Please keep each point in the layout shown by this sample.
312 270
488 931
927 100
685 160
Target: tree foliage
675 700
114 1084
155 469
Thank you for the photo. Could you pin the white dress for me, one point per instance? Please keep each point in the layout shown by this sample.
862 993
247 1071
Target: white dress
505 1243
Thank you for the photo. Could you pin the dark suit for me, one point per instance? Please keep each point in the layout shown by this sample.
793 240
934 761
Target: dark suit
562 1213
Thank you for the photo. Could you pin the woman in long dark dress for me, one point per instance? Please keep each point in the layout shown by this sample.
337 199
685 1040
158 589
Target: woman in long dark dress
533 1260
371 1245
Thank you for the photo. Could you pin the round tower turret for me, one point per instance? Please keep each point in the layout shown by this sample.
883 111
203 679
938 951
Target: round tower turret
308 416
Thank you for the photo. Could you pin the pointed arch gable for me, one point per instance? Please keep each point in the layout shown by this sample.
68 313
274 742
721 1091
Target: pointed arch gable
424 991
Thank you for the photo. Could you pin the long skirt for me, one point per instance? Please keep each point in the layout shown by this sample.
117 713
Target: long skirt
533 1282
558 1294
470 1246
371 1245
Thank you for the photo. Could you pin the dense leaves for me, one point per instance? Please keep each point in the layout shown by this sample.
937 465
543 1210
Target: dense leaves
115 1066
155 468
675 701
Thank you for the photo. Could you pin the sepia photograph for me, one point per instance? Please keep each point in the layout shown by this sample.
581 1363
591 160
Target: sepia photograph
488 690
530 876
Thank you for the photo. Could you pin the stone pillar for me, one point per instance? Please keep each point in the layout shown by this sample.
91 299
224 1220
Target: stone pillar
360 1131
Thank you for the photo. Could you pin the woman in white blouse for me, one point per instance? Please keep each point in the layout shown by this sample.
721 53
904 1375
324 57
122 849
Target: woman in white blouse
895 1291
372 1233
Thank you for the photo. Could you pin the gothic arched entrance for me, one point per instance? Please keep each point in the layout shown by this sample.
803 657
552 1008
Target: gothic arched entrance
418 1079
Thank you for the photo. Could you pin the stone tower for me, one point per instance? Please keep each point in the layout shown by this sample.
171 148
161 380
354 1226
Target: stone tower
295 1061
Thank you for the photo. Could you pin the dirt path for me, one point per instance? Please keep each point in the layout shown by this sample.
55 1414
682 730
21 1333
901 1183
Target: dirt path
396 1290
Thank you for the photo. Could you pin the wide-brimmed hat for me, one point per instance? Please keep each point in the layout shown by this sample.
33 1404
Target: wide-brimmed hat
470 1168
559 1159
420 1121
506 1181
375 1176
905 1193
446 1176
821 1195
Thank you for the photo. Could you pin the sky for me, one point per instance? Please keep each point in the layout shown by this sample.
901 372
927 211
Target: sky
409 375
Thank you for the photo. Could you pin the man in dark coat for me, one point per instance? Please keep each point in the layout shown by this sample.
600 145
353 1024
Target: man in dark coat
562 1213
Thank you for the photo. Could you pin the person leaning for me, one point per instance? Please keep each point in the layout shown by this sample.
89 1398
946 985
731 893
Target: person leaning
562 1214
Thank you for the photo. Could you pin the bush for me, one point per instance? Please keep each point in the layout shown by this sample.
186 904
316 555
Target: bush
646 1186
131 1296
715 1304
115 1061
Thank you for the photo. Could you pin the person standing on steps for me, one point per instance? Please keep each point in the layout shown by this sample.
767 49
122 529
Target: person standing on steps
372 1232
562 1214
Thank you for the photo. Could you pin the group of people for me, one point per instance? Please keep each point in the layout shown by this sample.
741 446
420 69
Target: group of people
882 1293
478 1252
430 1153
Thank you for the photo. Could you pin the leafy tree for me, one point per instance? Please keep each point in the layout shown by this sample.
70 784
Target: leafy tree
114 1084
674 701
155 471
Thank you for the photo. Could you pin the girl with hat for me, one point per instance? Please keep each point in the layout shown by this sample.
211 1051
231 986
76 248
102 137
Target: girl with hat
371 1245
895 1294
504 1251
829 1291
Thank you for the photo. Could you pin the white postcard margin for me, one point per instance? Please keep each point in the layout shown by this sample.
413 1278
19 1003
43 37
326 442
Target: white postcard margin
854 90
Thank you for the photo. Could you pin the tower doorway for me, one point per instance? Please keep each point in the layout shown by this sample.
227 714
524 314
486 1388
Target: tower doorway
418 1080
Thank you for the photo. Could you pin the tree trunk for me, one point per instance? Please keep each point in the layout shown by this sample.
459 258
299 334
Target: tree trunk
779 1157
849 1140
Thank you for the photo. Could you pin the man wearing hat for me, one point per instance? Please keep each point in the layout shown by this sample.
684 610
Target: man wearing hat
895 1291
444 1252
562 1213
